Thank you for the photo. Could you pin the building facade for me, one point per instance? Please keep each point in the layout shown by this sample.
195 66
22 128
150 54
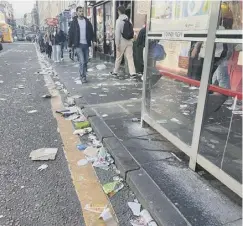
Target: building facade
7 10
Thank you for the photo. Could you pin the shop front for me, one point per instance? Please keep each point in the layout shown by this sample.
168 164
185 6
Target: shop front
103 16
192 90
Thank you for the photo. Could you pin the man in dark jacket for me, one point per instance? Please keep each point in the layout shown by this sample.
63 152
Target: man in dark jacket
80 37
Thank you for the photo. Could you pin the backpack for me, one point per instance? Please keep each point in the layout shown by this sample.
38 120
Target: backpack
128 32
158 52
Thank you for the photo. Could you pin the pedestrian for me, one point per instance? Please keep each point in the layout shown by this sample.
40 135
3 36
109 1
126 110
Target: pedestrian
56 45
124 42
80 36
62 39
47 39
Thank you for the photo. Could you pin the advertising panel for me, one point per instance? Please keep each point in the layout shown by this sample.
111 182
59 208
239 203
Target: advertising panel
180 15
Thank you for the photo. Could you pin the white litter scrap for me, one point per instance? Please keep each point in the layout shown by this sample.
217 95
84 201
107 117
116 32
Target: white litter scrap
100 67
70 101
104 115
78 82
176 121
2 99
43 154
91 152
103 95
72 117
1 81
32 111
106 215
76 96
193 88
82 132
42 167
82 162
90 69
135 207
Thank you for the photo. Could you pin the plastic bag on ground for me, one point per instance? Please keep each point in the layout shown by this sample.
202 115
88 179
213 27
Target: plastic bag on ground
44 154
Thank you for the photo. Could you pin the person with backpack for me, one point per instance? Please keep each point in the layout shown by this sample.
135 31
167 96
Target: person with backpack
124 44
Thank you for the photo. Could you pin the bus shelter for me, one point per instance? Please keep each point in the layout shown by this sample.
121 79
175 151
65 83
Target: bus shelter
192 94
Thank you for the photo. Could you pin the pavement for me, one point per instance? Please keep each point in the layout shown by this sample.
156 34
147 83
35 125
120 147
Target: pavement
155 170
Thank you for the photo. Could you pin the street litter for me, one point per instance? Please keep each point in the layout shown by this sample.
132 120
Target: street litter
42 167
93 93
176 121
81 147
94 209
72 117
78 82
103 159
76 96
1 81
82 162
135 207
82 125
104 115
32 111
103 95
20 87
183 105
193 88
82 132
100 67
70 101
144 219
44 154
47 96
3 99
136 120
91 152
112 188
90 69
106 215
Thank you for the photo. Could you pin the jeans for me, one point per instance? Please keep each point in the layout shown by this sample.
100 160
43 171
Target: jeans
62 49
83 56
56 55
221 76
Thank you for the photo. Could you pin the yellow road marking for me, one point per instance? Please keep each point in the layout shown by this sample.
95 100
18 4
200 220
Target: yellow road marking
84 178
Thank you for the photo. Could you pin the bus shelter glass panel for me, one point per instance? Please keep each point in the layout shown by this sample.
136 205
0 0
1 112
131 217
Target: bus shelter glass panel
172 86
221 137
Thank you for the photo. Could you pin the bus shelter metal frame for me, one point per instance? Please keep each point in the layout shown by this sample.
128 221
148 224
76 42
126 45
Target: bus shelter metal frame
193 150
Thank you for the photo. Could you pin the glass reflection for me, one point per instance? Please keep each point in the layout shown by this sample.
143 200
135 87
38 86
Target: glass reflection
231 15
171 95
221 137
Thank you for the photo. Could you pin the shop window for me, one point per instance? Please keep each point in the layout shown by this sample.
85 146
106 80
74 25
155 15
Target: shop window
100 28
221 137
231 15
109 31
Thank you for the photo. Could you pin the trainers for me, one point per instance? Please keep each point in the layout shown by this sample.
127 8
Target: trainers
84 80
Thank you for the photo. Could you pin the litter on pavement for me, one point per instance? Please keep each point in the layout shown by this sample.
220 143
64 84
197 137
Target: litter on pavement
103 159
106 214
70 101
44 154
112 188
144 219
76 96
94 208
81 147
135 207
32 111
100 67
1 81
91 152
42 167
72 117
82 125
47 96
82 132
82 162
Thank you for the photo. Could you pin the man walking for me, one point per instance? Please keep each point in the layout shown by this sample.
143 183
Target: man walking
80 37
124 44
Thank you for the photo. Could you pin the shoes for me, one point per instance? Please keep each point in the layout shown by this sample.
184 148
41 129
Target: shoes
113 74
84 80
62 59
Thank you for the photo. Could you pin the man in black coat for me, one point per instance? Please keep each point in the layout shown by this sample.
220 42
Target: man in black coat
80 37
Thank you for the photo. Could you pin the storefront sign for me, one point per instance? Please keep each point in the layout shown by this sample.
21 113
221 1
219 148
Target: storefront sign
173 35
180 15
